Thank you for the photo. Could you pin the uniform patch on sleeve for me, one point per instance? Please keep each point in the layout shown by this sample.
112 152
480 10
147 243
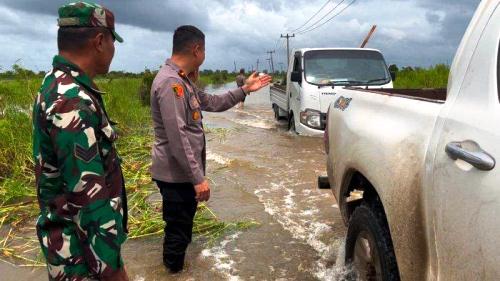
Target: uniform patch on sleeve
86 155
178 90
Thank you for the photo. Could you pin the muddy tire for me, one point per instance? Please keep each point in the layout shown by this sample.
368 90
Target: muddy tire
276 112
369 246
291 124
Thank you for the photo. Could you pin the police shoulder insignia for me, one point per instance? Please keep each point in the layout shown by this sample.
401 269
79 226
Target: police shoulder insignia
178 90
342 103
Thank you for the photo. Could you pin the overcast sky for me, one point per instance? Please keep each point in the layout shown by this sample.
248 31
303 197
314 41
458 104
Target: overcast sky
410 32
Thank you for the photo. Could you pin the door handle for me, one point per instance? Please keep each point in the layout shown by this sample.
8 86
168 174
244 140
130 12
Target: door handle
472 153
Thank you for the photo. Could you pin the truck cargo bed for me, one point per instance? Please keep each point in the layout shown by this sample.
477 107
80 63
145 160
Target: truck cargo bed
430 95
279 98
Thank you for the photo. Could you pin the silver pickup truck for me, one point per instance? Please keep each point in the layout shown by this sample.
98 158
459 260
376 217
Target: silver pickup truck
414 171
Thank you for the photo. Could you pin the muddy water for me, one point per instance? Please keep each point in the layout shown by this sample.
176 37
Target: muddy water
259 172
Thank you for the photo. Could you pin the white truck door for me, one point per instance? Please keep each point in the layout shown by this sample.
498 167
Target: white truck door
464 220
295 86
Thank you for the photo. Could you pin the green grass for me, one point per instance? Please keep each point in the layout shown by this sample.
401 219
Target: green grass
18 204
417 78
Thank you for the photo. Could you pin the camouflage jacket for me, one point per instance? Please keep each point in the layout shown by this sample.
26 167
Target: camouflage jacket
80 186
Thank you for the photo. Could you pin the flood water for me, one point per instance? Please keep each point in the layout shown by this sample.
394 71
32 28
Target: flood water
259 171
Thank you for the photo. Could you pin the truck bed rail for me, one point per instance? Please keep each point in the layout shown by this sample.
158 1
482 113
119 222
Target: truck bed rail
430 95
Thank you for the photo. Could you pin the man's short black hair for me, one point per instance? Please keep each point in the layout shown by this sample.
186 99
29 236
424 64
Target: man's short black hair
185 36
242 71
76 38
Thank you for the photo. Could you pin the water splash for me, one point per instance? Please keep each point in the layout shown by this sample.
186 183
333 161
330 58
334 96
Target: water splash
223 262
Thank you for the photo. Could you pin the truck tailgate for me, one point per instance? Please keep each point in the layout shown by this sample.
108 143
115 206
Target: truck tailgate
279 97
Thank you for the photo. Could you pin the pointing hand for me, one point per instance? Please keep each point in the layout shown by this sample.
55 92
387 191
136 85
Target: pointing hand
256 82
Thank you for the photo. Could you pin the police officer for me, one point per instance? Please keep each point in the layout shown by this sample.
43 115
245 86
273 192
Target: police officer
179 152
80 187
240 82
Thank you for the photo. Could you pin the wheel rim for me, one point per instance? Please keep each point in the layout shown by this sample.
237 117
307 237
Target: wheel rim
366 258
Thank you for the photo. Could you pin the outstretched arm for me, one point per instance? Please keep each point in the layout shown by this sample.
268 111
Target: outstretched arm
217 103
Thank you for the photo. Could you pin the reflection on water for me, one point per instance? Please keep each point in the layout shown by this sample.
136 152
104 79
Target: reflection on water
258 98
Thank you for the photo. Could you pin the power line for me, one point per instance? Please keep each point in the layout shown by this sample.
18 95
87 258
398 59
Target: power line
320 9
324 16
334 16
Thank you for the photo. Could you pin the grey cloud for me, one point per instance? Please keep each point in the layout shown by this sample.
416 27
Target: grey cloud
457 15
149 26
432 17
155 15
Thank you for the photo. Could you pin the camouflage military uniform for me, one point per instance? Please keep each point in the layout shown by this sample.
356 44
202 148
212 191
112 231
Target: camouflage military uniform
79 180
80 186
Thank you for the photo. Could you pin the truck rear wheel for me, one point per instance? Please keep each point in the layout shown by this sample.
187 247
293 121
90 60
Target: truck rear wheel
291 124
369 246
276 112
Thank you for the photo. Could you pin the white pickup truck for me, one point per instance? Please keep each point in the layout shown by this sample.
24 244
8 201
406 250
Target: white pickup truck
414 171
311 78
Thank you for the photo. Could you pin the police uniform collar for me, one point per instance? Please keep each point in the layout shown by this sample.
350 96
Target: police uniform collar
173 65
76 72
177 69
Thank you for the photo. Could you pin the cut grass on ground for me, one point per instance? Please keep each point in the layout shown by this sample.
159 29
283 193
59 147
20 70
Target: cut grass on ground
18 203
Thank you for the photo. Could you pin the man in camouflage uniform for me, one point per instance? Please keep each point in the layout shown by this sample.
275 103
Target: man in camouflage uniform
179 154
80 186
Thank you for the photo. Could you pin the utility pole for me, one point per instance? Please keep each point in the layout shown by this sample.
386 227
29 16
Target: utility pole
367 38
257 69
269 62
271 59
287 36
281 66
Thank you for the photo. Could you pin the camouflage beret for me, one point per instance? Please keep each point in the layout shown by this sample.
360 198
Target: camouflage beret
84 14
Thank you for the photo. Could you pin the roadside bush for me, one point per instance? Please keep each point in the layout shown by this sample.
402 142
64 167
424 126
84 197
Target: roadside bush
145 88
415 78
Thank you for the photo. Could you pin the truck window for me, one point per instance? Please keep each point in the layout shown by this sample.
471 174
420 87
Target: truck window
342 66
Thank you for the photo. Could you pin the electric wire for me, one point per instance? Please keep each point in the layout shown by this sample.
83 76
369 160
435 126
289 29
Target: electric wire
305 23
334 16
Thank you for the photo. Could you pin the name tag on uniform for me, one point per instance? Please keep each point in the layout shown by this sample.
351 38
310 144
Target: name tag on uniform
193 102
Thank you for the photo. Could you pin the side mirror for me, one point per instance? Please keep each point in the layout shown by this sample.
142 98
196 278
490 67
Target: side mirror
296 76
393 75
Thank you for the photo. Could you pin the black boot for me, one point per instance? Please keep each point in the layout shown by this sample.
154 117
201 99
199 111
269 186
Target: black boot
174 263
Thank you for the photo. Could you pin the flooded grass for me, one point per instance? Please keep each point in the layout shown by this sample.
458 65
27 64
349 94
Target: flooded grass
18 204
